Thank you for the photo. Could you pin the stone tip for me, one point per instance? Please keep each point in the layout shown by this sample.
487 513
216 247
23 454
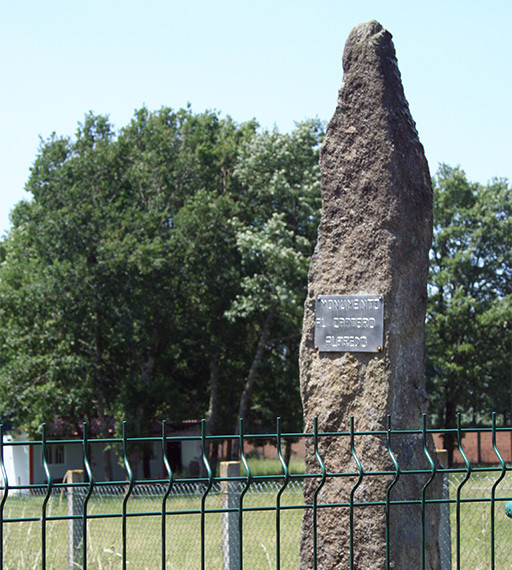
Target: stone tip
367 29
364 38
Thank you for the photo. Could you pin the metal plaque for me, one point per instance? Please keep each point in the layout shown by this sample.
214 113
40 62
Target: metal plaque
349 323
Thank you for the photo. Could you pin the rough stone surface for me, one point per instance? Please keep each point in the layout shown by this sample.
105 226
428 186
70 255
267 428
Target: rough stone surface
374 237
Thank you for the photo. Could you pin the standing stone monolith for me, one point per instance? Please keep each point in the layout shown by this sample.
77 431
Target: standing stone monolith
373 243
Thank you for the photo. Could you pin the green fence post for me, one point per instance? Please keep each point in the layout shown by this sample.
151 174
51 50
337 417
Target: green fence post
90 479
286 475
248 481
459 489
388 490
5 492
353 490
424 491
167 466
46 498
445 535
206 464
317 490
493 492
128 492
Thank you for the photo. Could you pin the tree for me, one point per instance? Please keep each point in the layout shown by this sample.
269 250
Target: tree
91 283
276 233
162 265
470 292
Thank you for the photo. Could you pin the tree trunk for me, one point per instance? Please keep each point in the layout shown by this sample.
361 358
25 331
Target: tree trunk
213 414
135 453
146 370
251 377
212 417
146 465
134 459
214 456
449 437
287 452
107 455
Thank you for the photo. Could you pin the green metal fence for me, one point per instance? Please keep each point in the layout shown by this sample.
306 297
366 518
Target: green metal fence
251 521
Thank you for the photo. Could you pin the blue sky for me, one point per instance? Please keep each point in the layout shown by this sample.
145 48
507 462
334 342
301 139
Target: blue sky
278 61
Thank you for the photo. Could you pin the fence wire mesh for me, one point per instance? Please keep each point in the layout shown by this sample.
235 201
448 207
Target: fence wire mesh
476 518
22 538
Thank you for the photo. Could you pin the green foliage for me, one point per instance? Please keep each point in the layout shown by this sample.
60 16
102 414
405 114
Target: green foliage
136 281
275 235
469 321
90 283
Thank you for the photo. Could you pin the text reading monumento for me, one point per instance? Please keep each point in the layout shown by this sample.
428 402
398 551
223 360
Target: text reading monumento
349 323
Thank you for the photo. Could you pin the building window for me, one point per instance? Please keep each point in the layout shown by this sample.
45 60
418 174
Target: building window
55 454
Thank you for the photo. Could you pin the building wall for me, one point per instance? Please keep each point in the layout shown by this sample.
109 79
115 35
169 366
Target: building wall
17 463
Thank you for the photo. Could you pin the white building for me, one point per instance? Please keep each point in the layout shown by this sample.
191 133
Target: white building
24 463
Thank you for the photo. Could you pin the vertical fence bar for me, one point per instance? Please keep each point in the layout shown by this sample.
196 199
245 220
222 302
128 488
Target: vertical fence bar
388 490
46 498
206 463
128 492
167 466
459 489
444 530
248 481
90 480
352 492
5 492
286 474
493 491
424 491
317 490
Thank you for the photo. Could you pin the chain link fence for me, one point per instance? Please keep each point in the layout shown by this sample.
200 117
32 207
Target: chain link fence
22 536
477 522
